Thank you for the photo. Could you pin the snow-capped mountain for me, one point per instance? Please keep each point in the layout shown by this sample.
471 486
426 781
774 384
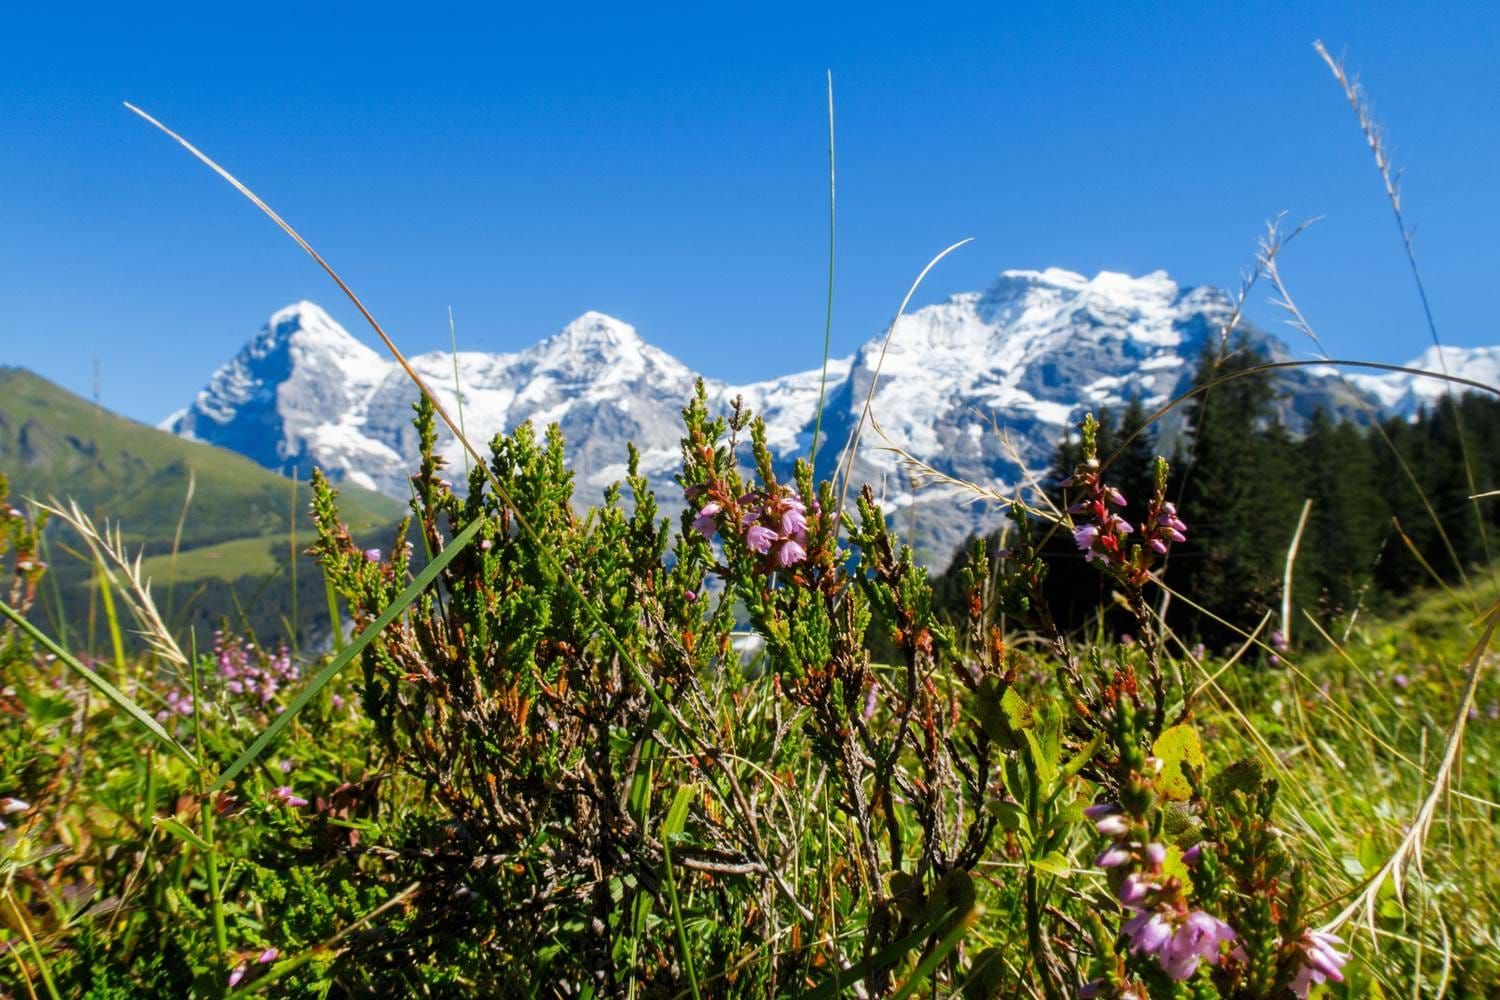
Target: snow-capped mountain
1401 394
980 387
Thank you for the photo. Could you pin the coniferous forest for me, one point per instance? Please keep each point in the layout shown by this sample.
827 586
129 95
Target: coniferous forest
1389 508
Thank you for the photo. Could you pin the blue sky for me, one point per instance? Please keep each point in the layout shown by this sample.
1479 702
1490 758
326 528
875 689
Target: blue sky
669 167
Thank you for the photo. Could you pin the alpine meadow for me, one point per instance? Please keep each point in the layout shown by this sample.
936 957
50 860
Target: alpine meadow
1082 635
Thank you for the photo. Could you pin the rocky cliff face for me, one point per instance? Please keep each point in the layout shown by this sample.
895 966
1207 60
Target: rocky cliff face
979 387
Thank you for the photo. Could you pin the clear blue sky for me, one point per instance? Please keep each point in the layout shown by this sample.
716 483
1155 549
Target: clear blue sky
668 167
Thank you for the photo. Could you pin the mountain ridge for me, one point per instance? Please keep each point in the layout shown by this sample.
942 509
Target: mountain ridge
1025 357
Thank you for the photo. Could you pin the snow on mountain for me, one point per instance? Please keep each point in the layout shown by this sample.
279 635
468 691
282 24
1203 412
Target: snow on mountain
980 387
1404 395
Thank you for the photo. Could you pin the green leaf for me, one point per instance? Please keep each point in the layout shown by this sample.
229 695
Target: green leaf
1012 817
1003 715
181 832
677 815
1053 863
1176 748
1173 866
343 659
1076 764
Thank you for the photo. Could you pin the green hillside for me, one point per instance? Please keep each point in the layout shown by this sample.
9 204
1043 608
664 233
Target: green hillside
53 443
235 538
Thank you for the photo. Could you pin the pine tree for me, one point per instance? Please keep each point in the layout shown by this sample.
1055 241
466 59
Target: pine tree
1347 522
1240 496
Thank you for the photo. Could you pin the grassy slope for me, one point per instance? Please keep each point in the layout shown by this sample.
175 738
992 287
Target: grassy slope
1355 729
235 555
53 443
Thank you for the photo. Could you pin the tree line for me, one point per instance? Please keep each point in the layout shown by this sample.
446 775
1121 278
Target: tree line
1391 505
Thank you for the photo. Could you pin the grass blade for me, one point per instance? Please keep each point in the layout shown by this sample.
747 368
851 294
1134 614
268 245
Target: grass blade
828 317
111 693
342 660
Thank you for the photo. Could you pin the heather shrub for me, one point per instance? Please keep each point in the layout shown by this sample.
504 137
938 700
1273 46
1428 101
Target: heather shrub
595 794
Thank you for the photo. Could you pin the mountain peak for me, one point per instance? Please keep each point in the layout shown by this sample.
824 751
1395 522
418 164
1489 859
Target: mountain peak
304 325
596 330
594 345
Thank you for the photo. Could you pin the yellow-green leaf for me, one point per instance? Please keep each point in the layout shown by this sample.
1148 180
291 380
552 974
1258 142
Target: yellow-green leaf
1174 867
1176 748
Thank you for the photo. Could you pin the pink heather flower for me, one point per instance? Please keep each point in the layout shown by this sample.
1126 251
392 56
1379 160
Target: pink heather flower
1086 536
1159 546
286 797
1321 961
337 701
1192 855
1114 496
10 806
1400 680
1100 810
372 555
690 595
1278 640
760 538
287 765
237 974
1112 857
1197 939
1093 988
1148 933
1175 534
1113 826
707 521
1122 526
793 520
1156 853
485 544
790 553
1132 891
268 956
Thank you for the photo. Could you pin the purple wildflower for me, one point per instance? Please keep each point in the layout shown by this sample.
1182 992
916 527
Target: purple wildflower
372 555
1321 961
760 538
286 797
707 521
10 806
1148 933
268 956
237 974
793 519
1113 826
1112 857
1132 891
1100 810
1086 536
1178 950
790 553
